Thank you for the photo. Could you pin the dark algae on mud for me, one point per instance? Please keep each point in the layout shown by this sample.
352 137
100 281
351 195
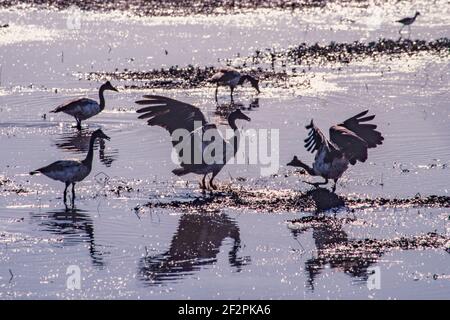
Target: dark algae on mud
261 64
285 200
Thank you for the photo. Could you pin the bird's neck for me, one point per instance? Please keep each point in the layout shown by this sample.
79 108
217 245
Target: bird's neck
90 155
234 140
244 78
102 97
232 123
298 163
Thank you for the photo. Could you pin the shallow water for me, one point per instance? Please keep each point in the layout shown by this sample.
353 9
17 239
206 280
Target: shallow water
169 253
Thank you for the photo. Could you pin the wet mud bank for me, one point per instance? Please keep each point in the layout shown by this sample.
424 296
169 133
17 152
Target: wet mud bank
364 247
176 77
376 246
337 250
275 66
316 200
333 52
8 187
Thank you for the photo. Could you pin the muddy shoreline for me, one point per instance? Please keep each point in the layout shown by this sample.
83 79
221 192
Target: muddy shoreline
367 246
183 77
318 54
248 198
315 200
276 67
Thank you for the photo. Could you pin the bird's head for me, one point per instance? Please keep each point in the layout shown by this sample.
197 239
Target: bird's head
294 162
417 13
238 114
100 134
253 81
109 86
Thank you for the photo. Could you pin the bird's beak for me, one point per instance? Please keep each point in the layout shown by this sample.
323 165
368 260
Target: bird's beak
114 89
106 137
247 118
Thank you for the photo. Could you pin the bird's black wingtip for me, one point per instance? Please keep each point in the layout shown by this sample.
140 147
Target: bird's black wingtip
359 115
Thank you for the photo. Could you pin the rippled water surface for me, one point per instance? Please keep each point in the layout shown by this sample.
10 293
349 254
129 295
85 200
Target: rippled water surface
127 250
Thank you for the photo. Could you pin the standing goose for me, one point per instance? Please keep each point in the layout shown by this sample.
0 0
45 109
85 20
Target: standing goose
85 108
72 171
232 78
349 143
408 21
173 115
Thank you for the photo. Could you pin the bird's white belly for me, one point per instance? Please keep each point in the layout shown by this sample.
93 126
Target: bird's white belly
86 111
330 170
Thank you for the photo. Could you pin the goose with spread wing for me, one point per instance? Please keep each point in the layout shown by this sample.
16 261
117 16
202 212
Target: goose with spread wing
231 77
188 122
72 171
349 142
85 108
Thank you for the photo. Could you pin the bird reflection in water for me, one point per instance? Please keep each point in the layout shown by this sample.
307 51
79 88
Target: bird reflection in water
223 110
195 244
74 226
78 143
328 234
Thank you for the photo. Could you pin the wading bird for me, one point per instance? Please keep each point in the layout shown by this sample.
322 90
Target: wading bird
349 143
72 171
85 108
172 115
408 22
232 78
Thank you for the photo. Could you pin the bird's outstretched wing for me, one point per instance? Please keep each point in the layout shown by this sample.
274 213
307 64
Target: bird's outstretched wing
354 137
316 140
170 114
365 131
79 102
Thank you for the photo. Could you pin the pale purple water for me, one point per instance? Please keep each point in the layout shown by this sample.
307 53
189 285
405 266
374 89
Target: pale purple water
252 255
